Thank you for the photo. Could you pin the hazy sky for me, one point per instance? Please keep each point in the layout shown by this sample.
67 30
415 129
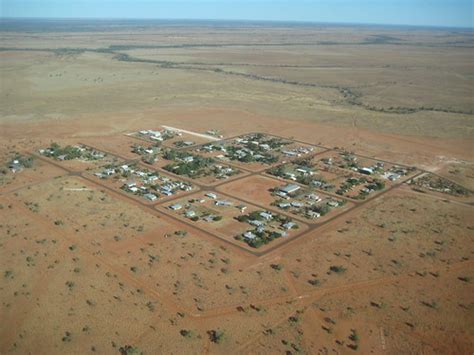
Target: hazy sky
457 13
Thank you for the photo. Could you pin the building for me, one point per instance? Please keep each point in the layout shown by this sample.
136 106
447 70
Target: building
289 225
314 197
305 171
366 171
211 195
256 223
249 235
150 196
266 215
130 184
333 203
15 166
313 214
190 214
176 207
290 153
290 188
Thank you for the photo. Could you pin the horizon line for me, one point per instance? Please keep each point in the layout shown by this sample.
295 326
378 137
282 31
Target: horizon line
471 28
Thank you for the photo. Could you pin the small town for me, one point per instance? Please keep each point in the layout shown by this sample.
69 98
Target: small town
142 182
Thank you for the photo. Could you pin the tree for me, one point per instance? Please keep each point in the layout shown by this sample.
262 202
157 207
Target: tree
130 350
215 336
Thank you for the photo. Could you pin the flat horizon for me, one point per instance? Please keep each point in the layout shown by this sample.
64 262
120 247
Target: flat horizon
236 20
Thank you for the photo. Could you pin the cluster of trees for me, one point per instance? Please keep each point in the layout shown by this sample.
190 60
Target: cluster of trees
70 152
172 154
268 158
273 142
262 238
279 170
196 168
349 183
25 161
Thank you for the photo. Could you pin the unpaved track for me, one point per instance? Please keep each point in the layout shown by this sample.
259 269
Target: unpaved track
200 135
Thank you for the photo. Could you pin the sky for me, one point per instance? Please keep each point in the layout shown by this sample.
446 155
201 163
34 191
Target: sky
446 13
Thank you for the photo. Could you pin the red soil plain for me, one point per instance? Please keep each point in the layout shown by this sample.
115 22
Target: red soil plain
88 266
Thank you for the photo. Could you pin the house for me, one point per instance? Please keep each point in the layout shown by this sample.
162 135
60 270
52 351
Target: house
265 146
188 159
249 235
125 167
188 143
296 204
314 197
176 207
131 184
256 223
150 196
289 225
223 203
209 218
312 214
240 154
15 166
333 203
305 171
211 195
366 171
392 176
186 187
290 188
152 178
282 195
190 214
154 133
290 153
284 205
290 176
266 215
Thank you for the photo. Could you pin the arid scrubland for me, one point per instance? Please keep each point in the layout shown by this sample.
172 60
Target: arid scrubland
374 254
